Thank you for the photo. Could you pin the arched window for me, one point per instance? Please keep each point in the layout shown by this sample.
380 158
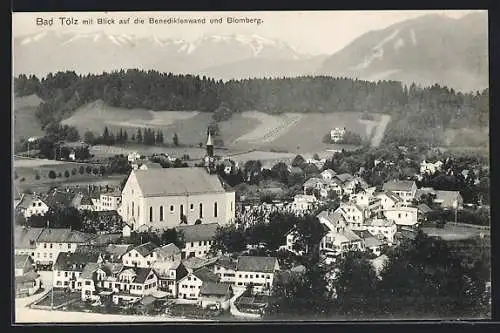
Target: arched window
161 213
132 208
150 214
171 208
201 210
215 209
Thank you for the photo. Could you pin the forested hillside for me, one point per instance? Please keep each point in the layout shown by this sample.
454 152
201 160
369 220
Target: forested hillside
418 113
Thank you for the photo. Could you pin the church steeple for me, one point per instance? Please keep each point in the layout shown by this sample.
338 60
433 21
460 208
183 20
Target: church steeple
210 146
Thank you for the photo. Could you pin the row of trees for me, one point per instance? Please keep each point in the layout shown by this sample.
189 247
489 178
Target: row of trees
147 136
422 278
419 114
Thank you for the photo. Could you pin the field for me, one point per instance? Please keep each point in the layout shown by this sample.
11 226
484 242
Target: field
452 232
25 122
291 132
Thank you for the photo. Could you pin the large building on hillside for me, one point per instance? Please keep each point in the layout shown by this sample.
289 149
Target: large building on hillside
165 198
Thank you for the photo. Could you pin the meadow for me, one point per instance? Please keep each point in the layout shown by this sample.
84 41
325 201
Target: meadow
25 122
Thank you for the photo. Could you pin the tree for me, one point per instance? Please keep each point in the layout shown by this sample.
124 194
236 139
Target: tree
66 173
309 232
298 161
81 170
175 140
355 284
89 137
228 239
52 174
139 136
280 172
88 169
252 171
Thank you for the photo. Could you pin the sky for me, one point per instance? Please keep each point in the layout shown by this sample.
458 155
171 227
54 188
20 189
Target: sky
313 32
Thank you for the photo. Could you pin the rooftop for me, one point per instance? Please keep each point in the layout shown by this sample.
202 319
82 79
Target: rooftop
146 248
198 232
51 235
67 261
214 288
167 250
398 185
20 260
25 238
256 264
118 249
205 275
177 181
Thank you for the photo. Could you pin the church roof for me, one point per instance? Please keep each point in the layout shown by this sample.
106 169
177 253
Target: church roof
209 140
177 181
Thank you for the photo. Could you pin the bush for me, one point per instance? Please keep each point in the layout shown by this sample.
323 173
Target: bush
52 174
73 171
22 179
59 175
95 171
89 169
66 174
81 170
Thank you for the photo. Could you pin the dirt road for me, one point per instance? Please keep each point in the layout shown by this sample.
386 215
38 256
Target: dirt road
380 130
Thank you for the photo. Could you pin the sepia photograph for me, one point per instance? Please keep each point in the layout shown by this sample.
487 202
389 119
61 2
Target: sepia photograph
251 166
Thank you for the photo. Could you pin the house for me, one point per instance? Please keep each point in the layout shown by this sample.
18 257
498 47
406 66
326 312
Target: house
328 175
126 231
338 239
51 242
134 156
382 226
372 243
430 168
215 294
109 201
115 252
353 185
34 205
225 269
163 198
69 266
23 263
449 199
364 198
197 238
257 271
405 189
190 285
388 199
422 211
402 216
353 214
87 203
25 240
120 284
27 284
194 263
291 238
303 203
169 274
337 134
140 256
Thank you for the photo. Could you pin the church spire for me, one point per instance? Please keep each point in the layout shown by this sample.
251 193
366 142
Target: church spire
209 140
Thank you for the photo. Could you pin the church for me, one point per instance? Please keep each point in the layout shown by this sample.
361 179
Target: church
158 199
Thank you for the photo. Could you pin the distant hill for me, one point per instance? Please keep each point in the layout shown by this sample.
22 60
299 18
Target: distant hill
426 50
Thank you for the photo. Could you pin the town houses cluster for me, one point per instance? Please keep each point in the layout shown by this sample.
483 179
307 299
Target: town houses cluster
194 201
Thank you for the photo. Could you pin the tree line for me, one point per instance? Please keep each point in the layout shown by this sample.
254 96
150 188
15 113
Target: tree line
418 113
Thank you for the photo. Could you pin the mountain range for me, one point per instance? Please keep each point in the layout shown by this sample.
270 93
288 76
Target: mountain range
426 50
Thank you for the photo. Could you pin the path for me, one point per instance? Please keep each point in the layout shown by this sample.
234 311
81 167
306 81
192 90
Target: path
235 312
380 130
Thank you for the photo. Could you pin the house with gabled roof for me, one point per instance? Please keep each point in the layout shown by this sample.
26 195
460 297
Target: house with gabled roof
328 174
69 266
34 205
258 272
354 215
140 256
23 263
190 285
225 268
115 252
25 240
373 243
389 199
53 241
164 198
198 239
215 294
116 283
405 189
382 226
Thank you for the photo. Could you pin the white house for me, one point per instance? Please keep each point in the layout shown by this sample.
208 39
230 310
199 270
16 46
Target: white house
353 214
134 156
328 175
25 240
163 198
382 226
257 271
405 189
303 203
225 269
430 168
338 239
337 134
365 198
140 256
35 206
190 285
388 199
402 216
53 241
68 267
27 281
197 238
169 269
109 200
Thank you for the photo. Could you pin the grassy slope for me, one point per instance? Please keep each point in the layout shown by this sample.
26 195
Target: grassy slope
25 122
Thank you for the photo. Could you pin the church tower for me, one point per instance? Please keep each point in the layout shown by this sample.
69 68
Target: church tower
210 158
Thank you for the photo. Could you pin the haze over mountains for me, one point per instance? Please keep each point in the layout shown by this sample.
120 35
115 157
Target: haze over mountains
429 49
